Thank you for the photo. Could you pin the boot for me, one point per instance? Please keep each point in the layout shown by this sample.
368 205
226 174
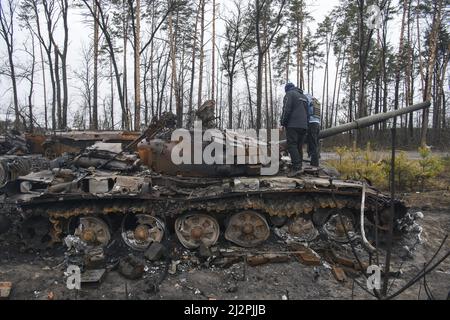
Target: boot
295 172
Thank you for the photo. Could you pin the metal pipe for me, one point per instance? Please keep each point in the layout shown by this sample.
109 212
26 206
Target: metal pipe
371 120
363 231
387 265
365 122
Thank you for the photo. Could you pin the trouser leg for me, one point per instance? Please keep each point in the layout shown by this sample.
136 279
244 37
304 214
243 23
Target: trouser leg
293 142
301 141
313 141
308 144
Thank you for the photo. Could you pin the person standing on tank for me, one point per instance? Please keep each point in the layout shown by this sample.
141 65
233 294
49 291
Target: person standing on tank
295 121
313 129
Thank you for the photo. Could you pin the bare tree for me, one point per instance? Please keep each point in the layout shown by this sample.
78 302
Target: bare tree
171 5
434 36
249 93
132 9
135 7
94 123
235 36
7 17
29 75
137 67
126 116
64 7
54 10
194 52
365 42
213 50
263 12
202 52
400 56
104 25
51 20
31 16
86 78
298 19
175 86
326 32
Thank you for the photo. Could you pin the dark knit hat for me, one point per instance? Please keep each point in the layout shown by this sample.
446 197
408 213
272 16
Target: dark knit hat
289 86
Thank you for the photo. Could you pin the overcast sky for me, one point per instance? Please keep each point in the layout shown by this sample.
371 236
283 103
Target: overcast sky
80 34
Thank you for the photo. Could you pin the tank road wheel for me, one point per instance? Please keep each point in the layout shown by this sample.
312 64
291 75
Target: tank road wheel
94 231
50 152
341 227
140 231
194 229
247 229
302 229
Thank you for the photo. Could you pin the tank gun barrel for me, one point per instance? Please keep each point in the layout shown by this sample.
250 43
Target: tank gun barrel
371 120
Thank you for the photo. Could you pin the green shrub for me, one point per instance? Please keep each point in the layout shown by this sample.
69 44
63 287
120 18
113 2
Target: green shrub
357 164
410 175
430 167
406 172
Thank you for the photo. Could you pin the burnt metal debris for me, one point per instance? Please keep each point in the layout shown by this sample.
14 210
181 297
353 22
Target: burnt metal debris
98 185
58 143
5 290
13 166
13 143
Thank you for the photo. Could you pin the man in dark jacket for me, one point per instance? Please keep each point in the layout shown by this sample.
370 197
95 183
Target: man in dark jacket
295 120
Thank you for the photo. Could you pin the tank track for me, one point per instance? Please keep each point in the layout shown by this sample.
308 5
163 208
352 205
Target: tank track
169 203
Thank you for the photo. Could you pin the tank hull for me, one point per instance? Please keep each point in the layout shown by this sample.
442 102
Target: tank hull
112 198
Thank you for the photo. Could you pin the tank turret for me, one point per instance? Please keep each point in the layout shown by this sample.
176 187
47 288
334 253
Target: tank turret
157 153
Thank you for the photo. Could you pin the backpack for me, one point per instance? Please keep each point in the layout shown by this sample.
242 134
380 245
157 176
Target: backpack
314 107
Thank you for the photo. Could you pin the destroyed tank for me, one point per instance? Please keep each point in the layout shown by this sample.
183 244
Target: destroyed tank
109 194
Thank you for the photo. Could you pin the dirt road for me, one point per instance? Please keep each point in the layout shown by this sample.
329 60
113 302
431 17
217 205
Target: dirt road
412 155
